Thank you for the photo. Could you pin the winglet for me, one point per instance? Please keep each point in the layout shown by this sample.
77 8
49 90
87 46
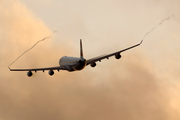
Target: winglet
81 49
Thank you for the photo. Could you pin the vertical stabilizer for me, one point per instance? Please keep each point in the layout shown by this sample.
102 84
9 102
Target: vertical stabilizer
81 49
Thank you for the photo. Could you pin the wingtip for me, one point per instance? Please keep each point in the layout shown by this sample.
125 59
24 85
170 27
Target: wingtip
9 68
141 41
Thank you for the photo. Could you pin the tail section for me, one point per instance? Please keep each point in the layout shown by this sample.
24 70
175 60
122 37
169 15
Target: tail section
81 49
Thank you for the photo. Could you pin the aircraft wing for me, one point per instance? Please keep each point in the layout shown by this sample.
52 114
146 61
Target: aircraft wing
93 60
41 69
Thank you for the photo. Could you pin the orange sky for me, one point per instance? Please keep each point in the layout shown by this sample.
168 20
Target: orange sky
143 84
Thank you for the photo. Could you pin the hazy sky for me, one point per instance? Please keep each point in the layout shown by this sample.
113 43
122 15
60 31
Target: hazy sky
143 85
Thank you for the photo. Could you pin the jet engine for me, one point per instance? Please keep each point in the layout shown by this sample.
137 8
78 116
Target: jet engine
29 74
93 64
118 56
51 72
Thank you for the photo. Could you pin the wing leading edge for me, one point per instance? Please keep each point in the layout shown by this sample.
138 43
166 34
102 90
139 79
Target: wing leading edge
93 60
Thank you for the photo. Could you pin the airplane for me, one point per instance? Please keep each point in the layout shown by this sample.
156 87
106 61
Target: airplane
75 63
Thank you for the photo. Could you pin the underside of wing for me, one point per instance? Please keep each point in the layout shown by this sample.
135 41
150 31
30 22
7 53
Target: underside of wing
116 54
41 69
51 72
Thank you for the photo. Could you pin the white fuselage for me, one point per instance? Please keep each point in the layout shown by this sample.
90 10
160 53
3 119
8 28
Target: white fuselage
72 63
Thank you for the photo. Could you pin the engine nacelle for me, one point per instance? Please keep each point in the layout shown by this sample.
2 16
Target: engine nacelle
29 74
93 64
117 56
51 72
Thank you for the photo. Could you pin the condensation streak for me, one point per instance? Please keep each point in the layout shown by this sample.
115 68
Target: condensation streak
29 49
165 19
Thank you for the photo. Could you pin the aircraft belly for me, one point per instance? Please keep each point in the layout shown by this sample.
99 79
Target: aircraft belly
70 68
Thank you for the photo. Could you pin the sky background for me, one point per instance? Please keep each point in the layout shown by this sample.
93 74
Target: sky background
143 85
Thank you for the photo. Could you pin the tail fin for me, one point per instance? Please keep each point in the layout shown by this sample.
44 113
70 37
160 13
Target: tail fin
81 49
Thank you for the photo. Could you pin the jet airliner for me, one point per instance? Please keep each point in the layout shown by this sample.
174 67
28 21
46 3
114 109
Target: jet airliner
75 63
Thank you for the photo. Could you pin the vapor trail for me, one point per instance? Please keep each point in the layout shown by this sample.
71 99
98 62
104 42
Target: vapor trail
29 49
165 19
